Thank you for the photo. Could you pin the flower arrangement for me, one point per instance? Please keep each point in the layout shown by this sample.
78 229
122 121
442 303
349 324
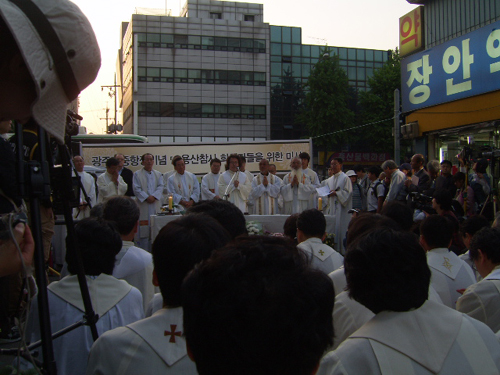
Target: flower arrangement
330 240
254 228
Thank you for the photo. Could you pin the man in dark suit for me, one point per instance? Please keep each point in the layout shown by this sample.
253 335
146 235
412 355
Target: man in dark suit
424 181
126 174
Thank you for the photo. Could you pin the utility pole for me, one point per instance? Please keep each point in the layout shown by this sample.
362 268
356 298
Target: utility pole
112 93
107 117
397 128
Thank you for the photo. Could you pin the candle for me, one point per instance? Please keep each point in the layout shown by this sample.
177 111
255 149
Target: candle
170 202
320 203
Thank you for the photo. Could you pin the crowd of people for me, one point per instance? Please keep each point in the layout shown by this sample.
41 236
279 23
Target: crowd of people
404 290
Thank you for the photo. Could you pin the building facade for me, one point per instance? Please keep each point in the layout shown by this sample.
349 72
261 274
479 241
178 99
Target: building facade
451 89
219 73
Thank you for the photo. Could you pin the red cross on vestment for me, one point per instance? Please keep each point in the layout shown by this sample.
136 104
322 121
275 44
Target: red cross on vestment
172 333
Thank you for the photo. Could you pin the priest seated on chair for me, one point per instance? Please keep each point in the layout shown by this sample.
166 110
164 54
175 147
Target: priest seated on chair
115 301
387 272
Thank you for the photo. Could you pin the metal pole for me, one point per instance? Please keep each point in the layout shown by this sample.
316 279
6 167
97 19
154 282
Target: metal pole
397 148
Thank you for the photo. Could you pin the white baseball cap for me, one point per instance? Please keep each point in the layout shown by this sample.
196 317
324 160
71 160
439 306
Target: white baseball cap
350 173
59 77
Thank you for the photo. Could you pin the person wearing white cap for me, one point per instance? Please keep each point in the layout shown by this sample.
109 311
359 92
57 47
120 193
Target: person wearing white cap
358 194
49 55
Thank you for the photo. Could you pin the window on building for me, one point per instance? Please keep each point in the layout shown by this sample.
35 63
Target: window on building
215 15
249 17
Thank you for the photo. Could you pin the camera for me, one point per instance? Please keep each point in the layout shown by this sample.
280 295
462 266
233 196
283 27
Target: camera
421 202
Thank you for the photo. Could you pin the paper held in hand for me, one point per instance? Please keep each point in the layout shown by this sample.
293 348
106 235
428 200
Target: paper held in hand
323 191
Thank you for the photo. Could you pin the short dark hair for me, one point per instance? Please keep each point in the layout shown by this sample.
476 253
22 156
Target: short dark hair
226 213
147 153
243 159
400 213
339 160
290 226
233 156
256 307
398 264
436 230
358 168
180 245
97 211
98 241
443 198
111 162
176 159
459 176
215 160
124 211
304 155
312 222
364 224
473 224
374 170
446 162
488 241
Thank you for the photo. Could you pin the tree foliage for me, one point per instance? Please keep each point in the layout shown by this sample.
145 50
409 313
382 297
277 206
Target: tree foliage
327 103
378 104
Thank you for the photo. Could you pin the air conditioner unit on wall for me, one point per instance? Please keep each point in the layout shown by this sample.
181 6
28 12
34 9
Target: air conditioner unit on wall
410 130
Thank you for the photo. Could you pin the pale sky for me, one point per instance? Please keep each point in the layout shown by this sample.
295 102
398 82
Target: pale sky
344 23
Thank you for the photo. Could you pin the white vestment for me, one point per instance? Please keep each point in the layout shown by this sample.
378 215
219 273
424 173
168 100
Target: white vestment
88 183
209 182
481 301
135 266
107 188
449 274
296 198
265 197
116 302
237 195
321 256
339 205
250 202
313 200
432 339
183 187
348 316
145 184
154 305
154 345
339 280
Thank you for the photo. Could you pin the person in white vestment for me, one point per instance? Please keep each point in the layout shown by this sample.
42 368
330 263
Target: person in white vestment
265 191
279 200
132 264
468 229
148 189
234 185
482 300
296 189
115 301
311 226
339 201
387 272
110 183
157 345
183 185
304 160
257 307
88 184
450 274
250 176
166 176
209 182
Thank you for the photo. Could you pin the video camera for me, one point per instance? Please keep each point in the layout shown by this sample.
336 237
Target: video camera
418 201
